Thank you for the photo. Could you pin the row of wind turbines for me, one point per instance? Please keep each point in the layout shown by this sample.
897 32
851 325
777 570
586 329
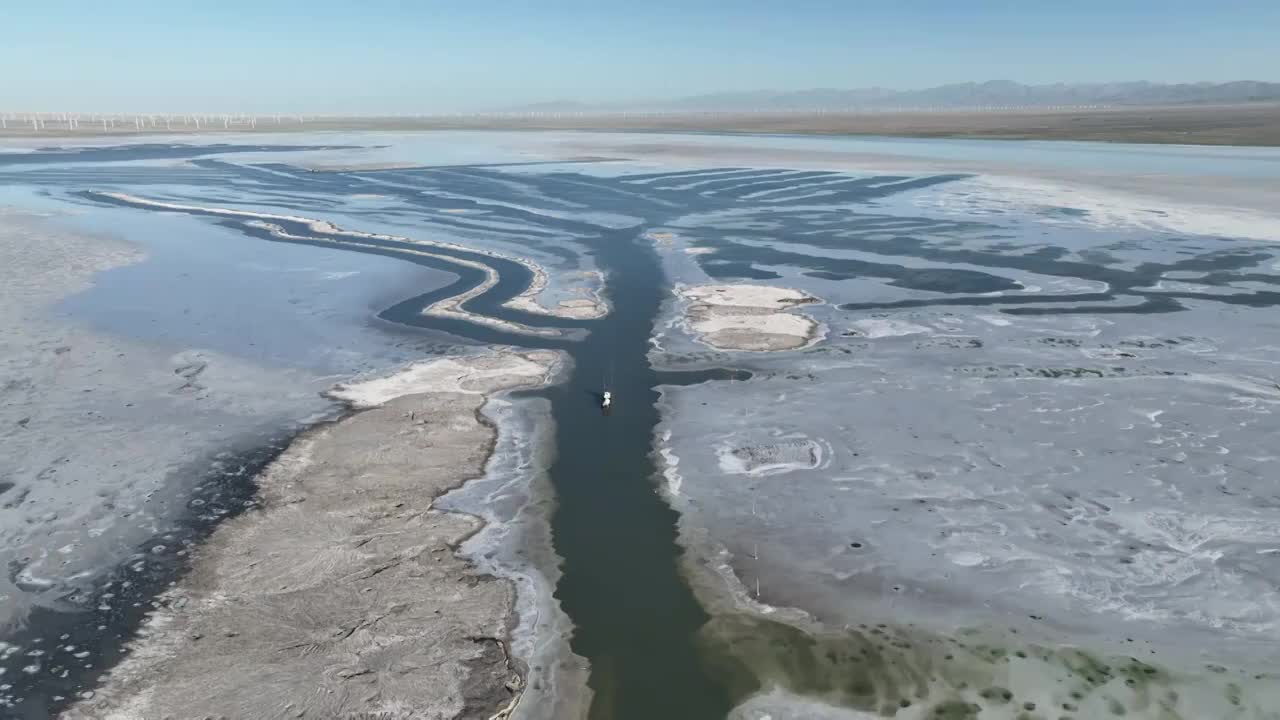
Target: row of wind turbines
37 122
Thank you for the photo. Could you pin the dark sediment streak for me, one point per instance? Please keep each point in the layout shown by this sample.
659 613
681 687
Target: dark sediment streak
102 620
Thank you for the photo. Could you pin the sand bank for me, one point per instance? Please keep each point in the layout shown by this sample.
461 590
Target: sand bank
343 594
586 303
452 306
748 317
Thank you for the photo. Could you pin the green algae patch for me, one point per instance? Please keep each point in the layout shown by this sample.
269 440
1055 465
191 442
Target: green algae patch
955 710
911 674
854 669
996 695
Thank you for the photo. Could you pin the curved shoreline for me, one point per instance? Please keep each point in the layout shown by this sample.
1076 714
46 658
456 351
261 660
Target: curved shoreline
527 300
448 307
515 501
348 575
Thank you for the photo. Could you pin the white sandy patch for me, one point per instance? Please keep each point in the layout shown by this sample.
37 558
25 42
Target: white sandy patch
967 558
780 324
670 463
748 317
471 374
772 458
661 238
750 296
779 704
1178 286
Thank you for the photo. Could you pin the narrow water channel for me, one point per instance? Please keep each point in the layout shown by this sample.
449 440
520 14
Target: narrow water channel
635 617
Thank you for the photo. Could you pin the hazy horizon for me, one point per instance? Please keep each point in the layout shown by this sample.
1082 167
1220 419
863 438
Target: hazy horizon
331 58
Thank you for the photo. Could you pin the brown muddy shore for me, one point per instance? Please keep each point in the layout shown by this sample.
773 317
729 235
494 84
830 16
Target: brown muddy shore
345 595
1243 124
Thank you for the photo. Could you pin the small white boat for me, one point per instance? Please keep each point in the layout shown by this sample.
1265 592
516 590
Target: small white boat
606 400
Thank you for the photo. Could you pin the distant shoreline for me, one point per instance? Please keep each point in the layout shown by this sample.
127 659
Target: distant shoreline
1253 124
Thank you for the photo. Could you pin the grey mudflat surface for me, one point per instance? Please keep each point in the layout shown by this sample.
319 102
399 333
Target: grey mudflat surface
1026 466
101 434
342 594
952 482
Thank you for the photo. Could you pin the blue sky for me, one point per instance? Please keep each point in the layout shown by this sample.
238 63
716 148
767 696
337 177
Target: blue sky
374 56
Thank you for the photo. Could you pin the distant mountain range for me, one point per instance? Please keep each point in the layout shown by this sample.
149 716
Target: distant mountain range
990 94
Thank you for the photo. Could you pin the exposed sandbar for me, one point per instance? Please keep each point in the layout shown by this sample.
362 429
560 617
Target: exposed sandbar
585 303
748 317
342 593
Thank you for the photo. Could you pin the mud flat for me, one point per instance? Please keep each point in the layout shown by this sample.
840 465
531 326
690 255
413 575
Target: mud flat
1013 481
95 427
343 593
877 558
748 317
